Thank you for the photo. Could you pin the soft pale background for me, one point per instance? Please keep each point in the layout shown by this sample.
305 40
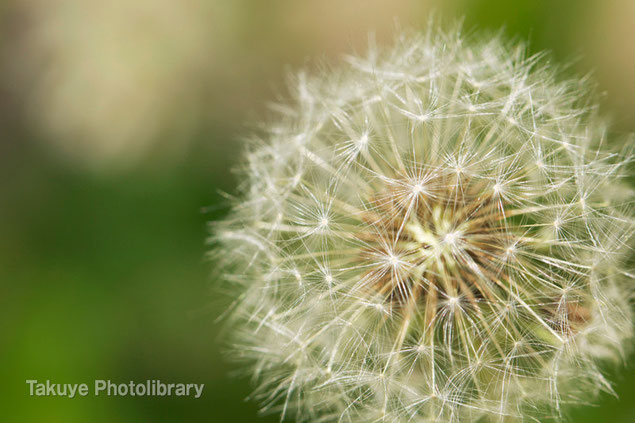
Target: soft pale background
119 121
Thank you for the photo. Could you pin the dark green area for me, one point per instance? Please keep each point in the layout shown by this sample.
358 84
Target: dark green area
104 277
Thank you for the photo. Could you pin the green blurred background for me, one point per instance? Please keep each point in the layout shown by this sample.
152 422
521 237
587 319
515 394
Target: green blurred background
120 121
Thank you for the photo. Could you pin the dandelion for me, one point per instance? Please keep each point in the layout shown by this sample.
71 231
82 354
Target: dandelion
434 233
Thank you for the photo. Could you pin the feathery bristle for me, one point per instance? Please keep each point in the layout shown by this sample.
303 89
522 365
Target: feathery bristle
436 232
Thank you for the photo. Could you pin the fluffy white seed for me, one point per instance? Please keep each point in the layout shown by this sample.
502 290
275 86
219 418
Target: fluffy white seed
436 232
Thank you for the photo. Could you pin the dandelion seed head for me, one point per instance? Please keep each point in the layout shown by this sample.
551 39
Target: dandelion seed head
434 232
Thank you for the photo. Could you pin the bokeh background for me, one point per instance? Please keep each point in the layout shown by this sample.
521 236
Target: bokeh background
119 123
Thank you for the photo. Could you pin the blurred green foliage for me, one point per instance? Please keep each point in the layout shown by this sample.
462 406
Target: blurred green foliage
103 277
103 274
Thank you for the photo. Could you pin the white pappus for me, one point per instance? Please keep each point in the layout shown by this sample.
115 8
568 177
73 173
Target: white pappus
435 232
